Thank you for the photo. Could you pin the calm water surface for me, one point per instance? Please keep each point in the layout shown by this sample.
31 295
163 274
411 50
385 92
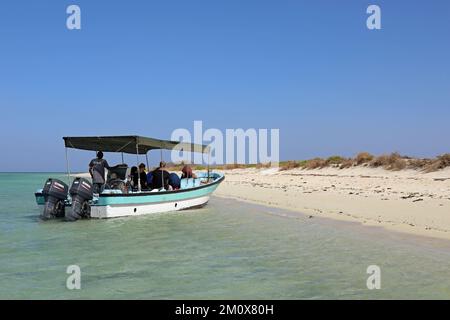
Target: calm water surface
227 250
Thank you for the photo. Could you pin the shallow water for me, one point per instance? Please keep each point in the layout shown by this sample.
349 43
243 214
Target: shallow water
227 250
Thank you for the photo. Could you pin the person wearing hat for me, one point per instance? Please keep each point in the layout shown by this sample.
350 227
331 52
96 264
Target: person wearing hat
160 177
97 168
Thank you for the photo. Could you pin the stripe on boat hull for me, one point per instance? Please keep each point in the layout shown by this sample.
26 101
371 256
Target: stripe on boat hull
138 209
156 197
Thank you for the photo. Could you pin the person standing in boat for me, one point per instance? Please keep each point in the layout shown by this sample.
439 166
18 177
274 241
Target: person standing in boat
97 168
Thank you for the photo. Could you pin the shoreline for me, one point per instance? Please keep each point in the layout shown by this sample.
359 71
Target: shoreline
407 201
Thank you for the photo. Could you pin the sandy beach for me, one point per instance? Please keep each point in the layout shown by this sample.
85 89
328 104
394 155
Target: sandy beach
407 201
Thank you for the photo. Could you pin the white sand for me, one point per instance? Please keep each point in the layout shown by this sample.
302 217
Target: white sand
85 175
407 201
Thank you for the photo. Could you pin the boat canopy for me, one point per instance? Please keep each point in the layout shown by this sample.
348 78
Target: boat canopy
130 144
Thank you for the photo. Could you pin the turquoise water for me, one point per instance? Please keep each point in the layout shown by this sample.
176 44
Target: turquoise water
227 250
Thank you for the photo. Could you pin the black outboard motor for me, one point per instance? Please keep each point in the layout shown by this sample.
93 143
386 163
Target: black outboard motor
55 194
81 192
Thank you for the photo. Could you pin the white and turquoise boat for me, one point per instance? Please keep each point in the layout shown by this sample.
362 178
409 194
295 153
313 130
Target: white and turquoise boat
57 200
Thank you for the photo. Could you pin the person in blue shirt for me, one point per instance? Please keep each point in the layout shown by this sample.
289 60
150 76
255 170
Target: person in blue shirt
174 181
149 178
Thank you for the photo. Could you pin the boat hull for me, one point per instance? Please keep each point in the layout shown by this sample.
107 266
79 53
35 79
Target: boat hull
136 204
138 209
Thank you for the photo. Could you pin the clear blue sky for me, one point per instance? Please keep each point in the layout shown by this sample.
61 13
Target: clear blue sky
310 68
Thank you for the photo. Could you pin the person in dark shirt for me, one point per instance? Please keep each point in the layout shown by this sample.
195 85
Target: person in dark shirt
133 178
141 175
160 177
97 168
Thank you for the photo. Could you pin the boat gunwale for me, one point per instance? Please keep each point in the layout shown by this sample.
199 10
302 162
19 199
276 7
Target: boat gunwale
149 193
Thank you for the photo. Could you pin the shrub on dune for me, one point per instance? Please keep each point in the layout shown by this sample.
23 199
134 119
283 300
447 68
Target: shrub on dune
335 160
232 166
379 161
289 165
316 163
441 162
418 164
263 165
363 158
347 163
393 161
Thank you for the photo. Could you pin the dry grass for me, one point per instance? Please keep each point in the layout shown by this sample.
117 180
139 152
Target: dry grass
418 164
380 161
348 163
289 165
393 161
439 163
363 158
316 163
263 165
232 166
335 161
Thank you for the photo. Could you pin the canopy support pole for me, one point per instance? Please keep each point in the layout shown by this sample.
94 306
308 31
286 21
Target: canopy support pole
68 165
137 165
162 172
146 159
209 153
122 159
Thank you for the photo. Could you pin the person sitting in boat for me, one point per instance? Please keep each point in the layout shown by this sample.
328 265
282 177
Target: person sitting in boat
160 177
131 178
141 175
149 178
97 168
174 181
186 173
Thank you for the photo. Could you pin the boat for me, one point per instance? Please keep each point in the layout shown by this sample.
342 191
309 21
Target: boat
57 200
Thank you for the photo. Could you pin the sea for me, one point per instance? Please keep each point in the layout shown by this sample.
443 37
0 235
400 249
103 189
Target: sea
226 250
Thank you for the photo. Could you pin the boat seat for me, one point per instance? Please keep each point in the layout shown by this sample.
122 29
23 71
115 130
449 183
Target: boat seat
189 183
112 191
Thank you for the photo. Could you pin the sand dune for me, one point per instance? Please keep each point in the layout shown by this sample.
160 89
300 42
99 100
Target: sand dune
407 200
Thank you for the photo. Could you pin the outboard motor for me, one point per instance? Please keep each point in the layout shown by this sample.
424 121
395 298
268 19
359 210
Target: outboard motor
55 195
81 192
